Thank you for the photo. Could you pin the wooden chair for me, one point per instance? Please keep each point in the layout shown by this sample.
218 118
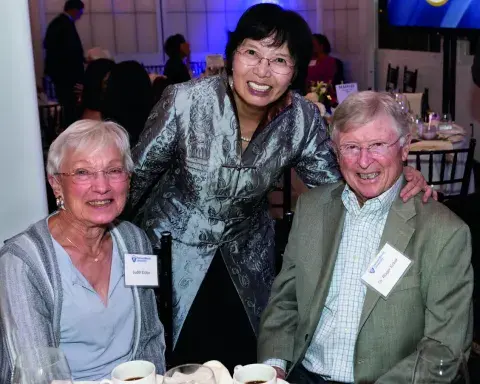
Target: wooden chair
339 77
198 67
164 292
409 80
392 78
52 122
156 69
49 88
285 187
282 226
448 156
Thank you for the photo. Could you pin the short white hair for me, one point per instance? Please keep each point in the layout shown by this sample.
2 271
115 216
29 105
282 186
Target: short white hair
91 135
361 108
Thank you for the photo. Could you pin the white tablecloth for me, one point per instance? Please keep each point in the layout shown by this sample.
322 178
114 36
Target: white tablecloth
448 189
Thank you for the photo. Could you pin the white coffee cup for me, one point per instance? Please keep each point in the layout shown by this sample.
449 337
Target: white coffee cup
131 369
254 372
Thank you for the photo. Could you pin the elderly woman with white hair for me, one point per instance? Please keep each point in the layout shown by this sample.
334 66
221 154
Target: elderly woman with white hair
63 278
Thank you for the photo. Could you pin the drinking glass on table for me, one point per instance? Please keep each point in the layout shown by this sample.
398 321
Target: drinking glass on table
41 366
437 364
403 102
446 122
189 374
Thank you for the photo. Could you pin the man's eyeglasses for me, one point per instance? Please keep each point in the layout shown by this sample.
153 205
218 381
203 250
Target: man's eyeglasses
379 149
279 65
85 176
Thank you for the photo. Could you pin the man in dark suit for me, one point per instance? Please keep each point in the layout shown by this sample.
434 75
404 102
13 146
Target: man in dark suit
64 56
323 324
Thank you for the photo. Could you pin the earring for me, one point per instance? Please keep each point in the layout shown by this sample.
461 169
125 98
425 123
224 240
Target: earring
60 203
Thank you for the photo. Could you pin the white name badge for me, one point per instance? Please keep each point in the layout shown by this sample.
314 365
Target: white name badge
386 270
141 270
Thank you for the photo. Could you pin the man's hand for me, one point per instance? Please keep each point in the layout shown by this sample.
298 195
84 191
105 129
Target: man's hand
281 374
415 184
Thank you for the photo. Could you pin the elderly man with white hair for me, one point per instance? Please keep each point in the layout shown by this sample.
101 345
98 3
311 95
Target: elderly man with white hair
367 279
63 280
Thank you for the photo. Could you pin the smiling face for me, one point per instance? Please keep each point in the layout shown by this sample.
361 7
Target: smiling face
257 85
369 176
98 202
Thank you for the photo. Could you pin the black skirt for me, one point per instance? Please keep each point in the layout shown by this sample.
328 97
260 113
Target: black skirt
217 326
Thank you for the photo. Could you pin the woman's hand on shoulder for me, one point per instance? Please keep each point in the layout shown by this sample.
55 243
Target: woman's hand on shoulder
416 183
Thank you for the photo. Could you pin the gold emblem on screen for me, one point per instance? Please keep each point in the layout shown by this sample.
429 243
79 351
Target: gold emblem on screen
437 3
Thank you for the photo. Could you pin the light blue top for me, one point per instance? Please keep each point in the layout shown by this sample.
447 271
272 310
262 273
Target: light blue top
95 338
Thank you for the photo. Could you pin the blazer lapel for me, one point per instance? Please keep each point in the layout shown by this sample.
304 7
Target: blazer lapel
333 217
397 233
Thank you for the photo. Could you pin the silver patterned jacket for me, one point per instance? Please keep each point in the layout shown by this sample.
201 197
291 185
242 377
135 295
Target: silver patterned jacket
192 179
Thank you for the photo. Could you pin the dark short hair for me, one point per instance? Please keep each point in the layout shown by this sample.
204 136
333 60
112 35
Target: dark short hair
172 45
73 4
93 83
284 26
323 41
128 98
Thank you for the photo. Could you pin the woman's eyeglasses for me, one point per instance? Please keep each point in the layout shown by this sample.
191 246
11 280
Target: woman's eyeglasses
85 176
280 65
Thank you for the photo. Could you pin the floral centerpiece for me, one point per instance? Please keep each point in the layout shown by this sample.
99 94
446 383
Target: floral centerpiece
323 95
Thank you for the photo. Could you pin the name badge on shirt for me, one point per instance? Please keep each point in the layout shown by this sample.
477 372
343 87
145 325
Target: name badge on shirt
141 270
386 270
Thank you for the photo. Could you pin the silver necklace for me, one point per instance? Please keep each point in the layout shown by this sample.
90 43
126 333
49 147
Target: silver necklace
95 259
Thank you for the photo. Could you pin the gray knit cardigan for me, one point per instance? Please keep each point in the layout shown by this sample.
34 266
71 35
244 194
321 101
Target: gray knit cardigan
31 296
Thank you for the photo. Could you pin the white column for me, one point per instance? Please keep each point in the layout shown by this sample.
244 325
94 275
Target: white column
22 185
38 27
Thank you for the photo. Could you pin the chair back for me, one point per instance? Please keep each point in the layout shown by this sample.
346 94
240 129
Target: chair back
198 67
392 78
339 77
154 69
49 88
284 186
164 292
282 226
450 157
409 80
52 122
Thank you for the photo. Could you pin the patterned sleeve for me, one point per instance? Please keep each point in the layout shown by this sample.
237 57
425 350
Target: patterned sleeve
156 147
318 164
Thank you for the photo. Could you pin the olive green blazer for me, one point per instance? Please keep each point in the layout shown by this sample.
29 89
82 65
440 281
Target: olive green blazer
433 300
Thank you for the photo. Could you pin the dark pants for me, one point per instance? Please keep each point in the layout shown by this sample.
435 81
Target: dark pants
217 326
300 375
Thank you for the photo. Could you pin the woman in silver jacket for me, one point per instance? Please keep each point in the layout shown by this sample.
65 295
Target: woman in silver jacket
211 151
62 280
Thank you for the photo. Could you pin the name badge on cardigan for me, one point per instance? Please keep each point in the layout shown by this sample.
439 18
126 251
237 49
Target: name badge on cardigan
385 271
141 270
